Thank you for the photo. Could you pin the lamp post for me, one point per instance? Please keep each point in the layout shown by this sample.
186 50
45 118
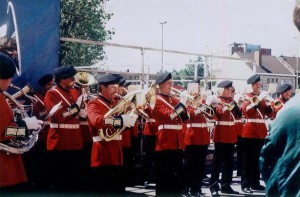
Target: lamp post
162 46
297 62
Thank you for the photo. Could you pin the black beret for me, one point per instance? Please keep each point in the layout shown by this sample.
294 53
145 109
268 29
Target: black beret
284 87
127 84
225 84
122 81
108 79
64 72
163 77
7 66
45 79
253 79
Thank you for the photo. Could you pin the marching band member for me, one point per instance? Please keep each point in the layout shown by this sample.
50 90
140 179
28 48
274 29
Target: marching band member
285 91
107 156
170 115
224 137
238 101
254 133
197 139
35 161
64 140
12 172
127 136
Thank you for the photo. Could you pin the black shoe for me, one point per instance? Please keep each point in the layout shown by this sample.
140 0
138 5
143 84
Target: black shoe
228 190
258 187
214 189
247 190
186 193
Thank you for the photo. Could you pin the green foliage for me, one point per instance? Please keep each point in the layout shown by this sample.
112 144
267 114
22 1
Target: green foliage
83 19
188 72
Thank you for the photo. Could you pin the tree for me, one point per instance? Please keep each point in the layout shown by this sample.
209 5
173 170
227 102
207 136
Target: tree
189 70
83 19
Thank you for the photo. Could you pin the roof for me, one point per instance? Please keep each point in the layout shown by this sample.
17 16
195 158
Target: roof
292 61
270 64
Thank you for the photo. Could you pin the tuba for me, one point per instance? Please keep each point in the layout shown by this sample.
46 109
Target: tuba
85 79
15 146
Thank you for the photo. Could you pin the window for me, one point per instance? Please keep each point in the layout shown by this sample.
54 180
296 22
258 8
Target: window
268 80
272 80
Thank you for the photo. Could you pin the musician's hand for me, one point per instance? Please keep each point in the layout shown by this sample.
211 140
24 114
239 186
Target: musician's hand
262 95
129 119
32 123
81 99
82 113
225 108
184 97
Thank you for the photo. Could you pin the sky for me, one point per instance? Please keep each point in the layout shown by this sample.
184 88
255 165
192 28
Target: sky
198 26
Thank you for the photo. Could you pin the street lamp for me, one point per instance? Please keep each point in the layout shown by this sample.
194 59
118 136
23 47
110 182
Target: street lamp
162 46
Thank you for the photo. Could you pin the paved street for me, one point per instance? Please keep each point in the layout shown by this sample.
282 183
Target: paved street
140 190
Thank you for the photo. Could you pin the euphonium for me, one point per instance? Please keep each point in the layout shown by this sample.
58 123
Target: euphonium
253 100
19 146
270 101
125 105
195 101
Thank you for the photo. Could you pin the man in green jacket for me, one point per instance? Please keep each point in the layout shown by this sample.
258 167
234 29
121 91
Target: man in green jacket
280 155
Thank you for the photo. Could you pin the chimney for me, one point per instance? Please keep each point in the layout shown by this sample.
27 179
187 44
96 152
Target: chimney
257 58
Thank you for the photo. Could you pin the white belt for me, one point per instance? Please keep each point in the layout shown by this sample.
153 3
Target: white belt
150 120
64 126
225 123
83 123
170 126
196 125
256 120
98 139
239 121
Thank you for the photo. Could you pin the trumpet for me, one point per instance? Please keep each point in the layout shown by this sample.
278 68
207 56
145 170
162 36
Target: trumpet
217 101
270 101
254 100
195 102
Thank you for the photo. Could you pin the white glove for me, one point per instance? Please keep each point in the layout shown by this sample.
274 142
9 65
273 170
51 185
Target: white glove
184 97
225 108
129 119
82 113
210 99
82 98
262 95
32 123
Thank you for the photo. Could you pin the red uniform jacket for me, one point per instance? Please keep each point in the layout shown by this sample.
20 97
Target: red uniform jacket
150 127
40 112
196 132
276 110
170 135
12 170
103 153
224 131
255 126
63 138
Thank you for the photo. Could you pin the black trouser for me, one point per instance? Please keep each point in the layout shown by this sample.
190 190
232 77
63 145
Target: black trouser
240 152
222 161
108 180
36 166
149 149
168 170
194 165
128 166
86 167
65 171
251 173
